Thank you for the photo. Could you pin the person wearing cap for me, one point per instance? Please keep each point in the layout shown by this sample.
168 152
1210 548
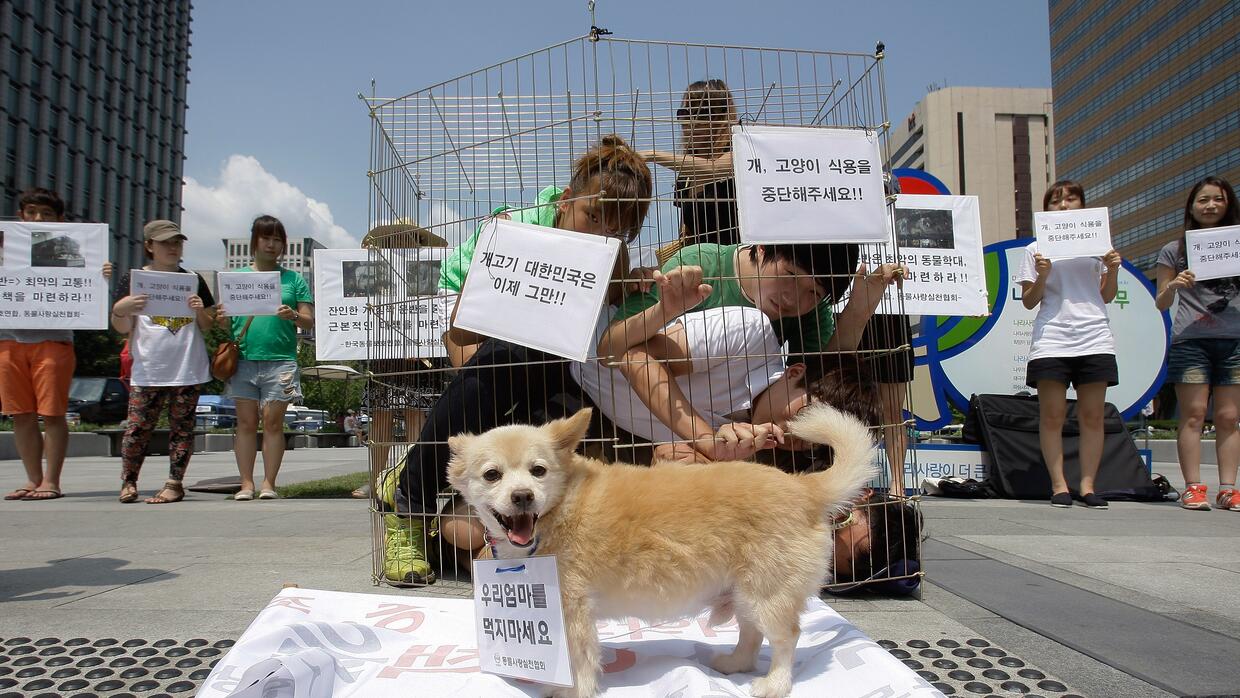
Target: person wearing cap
170 365
36 369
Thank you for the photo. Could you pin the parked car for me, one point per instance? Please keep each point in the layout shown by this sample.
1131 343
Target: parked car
215 412
298 418
99 400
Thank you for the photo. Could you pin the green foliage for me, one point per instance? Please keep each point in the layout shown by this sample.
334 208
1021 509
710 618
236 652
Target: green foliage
98 353
333 396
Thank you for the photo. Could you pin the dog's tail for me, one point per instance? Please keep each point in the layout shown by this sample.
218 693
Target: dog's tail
853 465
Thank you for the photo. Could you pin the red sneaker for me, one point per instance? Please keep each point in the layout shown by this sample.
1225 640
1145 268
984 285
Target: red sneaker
1228 499
1195 497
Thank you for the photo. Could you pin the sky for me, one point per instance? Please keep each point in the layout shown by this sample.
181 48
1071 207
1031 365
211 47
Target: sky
275 125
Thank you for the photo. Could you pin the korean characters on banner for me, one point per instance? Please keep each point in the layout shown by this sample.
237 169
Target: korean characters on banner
939 238
1084 232
398 289
167 293
519 620
1213 253
541 287
51 275
249 293
799 184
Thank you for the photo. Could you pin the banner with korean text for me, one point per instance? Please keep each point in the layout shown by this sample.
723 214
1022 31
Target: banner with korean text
1213 253
1082 232
249 293
167 293
51 276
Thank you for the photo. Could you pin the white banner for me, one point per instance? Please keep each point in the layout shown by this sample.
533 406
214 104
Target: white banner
324 643
249 293
1082 232
167 293
798 184
51 276
536 286
520 621
401 285
940 239
1213 253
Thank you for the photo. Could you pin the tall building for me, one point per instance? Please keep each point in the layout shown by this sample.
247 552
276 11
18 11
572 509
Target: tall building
994 143
93 108
1147 102
299 256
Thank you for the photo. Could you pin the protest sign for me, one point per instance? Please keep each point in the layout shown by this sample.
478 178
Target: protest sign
939 238
1082 232
536 286
373 303
167 293
519 620
247 293
798 184
51 276
1213 253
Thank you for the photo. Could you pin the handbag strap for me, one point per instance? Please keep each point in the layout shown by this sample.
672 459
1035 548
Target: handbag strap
244 328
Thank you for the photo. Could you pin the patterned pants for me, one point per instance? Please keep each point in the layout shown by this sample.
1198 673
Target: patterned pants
145 404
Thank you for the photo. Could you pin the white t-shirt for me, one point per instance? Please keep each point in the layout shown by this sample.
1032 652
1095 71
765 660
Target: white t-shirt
1072 319
735 356
167 351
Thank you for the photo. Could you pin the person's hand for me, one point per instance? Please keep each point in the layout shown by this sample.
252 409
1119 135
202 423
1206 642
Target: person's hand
286 313
1185 279
107 270
678 452
1041 266
681 290
640 280
740 440
130 305
1112 260
884 275
195 303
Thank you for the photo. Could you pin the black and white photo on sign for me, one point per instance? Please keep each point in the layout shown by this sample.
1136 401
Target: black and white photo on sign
364 278
925 228
57 248
422 277
1 248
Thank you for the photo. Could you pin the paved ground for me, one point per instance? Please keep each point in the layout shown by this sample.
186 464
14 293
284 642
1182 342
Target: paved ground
1135 601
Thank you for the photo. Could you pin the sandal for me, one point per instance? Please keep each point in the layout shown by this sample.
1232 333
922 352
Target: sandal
173 486
129 492
40 495
19 493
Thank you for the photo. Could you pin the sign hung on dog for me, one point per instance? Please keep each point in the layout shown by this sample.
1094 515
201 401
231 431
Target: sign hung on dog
248 293
51 275
1084 232
537 286
519 620
798 184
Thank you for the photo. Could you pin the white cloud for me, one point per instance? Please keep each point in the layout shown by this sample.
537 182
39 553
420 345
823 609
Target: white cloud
244 192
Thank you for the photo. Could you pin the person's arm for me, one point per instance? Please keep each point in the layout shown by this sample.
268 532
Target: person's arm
1169 283
203 315
651 369
1110 279
692 167
679 291
124 310
302 317
867 293
1033 291
460 337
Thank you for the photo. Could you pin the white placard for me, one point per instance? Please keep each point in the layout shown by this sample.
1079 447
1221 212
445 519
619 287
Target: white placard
1082 232
1213 253
401 286
519 620
940 240
167 292
51 276
537 286
798 184
248 293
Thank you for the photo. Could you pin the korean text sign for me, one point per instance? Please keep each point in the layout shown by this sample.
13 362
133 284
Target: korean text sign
246 293
51 276
519 620
537 286
1083 232
167 293
798 184
1213 253
375 303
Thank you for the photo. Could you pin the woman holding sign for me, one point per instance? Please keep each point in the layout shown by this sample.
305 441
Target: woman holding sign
267 378
1205 347
1072 345
169 364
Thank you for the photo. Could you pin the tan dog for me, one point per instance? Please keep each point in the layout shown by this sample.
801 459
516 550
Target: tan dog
666 542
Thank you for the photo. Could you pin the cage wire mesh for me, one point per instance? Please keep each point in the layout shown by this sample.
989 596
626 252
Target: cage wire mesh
445 158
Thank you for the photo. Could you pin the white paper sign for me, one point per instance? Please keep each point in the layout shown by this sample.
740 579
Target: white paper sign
248 293
520 621
537 286
1213 253
1083 232
940 240
51 276
167 293
797 184
406 318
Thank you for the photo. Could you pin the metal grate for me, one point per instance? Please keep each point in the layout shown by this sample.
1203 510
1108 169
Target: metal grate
974 667
106 667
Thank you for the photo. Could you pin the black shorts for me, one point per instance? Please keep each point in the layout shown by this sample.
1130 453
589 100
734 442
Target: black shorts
881 352
1074 370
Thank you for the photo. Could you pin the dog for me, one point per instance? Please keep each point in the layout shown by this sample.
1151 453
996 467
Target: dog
666 542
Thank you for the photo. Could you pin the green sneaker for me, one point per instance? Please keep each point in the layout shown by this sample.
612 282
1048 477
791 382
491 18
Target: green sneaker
404 557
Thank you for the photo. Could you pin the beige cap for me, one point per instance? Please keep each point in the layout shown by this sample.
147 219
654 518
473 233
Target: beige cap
162 230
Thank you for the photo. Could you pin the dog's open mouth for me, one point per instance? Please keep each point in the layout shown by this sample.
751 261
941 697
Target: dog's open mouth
519 528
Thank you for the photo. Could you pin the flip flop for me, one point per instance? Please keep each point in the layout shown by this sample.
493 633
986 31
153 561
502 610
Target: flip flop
41 495
19 493
244 496
268 494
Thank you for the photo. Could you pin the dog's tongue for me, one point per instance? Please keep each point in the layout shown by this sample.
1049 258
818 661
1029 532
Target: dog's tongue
522 530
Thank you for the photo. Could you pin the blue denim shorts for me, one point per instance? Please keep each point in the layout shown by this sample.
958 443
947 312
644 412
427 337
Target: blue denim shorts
265 381
1204 362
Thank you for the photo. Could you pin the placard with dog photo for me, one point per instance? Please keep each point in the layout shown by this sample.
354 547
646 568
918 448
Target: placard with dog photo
51 275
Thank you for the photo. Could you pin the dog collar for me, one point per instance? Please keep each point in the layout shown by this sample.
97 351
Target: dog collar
486 536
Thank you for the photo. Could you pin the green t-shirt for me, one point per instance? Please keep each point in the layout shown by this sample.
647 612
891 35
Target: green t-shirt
807 333
456 264
271 338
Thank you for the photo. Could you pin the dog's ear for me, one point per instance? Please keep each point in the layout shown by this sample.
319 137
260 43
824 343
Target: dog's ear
457 444
567 433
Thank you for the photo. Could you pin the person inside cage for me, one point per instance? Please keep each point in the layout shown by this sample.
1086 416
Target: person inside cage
877 547
502 382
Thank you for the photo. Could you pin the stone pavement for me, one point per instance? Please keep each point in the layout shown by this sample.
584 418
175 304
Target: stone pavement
1135 601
